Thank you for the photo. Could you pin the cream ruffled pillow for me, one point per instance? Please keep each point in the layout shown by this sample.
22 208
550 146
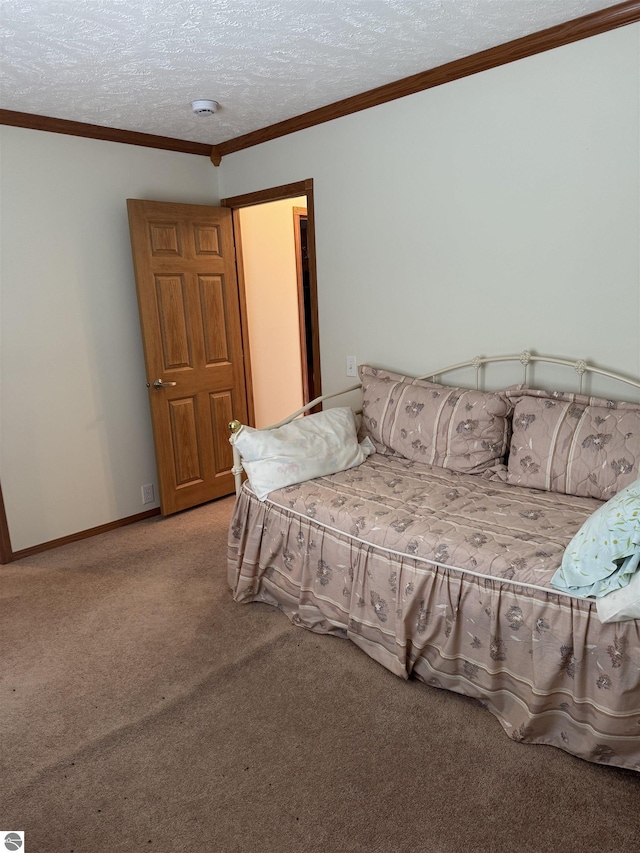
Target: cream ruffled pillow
306 448
621 605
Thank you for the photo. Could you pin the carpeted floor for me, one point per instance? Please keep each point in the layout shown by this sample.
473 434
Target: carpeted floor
142 709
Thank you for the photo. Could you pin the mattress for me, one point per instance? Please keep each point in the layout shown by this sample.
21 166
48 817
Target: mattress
445 577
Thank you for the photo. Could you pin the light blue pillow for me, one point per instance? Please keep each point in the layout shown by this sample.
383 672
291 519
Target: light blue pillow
605 552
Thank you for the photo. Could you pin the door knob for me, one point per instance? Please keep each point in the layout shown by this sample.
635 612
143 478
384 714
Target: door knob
160 384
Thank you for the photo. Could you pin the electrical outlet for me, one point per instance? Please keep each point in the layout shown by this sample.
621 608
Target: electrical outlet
352 365
148 496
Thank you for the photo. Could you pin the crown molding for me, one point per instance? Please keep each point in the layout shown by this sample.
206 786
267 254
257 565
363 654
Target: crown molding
96 131
596 23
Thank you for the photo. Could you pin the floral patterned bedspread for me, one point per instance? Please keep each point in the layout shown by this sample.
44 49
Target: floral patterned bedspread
445 517
445 576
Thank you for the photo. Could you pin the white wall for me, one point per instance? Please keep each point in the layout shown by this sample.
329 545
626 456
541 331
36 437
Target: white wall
489 215
76 442
269 263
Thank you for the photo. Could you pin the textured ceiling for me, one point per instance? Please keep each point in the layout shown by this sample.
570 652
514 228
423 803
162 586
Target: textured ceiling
138 64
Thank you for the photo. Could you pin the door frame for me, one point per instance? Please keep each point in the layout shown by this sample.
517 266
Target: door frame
6 552
300 213
235 203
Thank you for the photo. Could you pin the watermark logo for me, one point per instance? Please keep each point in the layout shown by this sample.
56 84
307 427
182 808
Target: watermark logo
13 840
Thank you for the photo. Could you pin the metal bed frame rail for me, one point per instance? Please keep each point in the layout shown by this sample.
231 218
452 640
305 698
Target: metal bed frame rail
525 358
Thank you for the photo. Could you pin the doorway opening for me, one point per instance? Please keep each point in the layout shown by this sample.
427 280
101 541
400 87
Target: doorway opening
275 248
303 281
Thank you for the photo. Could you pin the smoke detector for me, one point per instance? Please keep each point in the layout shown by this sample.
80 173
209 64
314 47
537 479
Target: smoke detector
204 108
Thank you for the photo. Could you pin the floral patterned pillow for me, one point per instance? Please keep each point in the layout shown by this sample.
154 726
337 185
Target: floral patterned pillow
455 428
573 444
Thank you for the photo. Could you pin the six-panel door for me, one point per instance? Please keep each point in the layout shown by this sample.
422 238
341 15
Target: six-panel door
185 269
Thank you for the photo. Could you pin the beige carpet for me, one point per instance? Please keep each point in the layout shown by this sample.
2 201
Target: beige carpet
142 709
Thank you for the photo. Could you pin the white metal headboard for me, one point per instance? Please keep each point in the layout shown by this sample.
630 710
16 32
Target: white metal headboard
525 358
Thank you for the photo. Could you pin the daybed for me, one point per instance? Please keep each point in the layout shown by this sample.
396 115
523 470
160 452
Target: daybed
435 554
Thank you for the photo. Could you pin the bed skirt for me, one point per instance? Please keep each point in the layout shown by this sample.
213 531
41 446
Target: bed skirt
539 661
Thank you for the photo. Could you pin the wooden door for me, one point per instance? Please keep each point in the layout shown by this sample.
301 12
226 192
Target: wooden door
185 269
